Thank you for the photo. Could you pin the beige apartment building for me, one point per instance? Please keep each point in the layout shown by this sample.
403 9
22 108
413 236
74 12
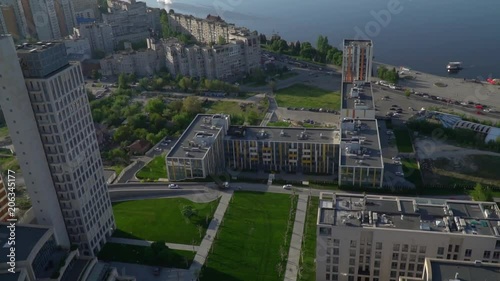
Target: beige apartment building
141 63
203 30
380 238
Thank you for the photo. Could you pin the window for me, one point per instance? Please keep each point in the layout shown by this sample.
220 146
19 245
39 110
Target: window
402 266
395 247
336 251
378 246
378 255
394 265
423 249
336 242
486 254
455 257
405 248
351 270
376 272
420 267
328 276
496 255
411 267
450 247
414 248
457 248
352 253
393 273
352 262
353 243
497 245
421 259
376 264
395 256
440 251
335 260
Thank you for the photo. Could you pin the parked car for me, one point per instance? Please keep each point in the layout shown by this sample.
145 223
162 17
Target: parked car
287 186
173 186
398 162
400 174
156 271
395 105
395 158
399 110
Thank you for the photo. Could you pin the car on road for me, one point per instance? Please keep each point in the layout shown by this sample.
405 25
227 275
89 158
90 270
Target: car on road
400 174
425 96
173 186
156 271
389 133
393 108
395 158
399 110
389 114
287 186
158 149
398 162
395 105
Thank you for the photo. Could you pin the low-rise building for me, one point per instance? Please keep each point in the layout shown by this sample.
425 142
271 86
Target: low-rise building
446 270
140 63
199 152
38 257
384 237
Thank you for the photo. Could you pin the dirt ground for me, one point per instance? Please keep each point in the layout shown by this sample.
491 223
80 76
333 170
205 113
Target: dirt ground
442 163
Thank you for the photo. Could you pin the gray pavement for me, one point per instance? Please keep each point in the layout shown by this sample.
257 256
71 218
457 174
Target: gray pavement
173 246
293 263
206 243
145 272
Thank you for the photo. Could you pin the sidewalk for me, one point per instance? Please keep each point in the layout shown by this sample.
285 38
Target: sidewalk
206 244
292 266
145 243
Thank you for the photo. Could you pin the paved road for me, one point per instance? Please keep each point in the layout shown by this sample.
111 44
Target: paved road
293 263
145 272
174 246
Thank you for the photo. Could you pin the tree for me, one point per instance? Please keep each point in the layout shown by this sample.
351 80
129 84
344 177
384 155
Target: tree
166 32
407 93
192 106
155 106
188 211
121 134
253 118
122 81
143 83
95 74
481 193
296 51
262 38
138 121
185 83
221 40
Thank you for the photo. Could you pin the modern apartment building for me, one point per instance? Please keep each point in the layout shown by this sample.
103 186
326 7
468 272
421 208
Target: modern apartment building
450 270
12 20
141 63
199 152
48 114
100 36
206 31
37 252
360 161
380 238
86 9
4 207
308 151
49 19
357 63
78 48
131 21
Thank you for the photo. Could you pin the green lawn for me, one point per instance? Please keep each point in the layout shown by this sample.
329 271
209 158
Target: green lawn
286 75
300 95
403 140
154 170
470 169
253 235
4 132
161 219
278 124
309 242
412 172
9 163
253 113
136 254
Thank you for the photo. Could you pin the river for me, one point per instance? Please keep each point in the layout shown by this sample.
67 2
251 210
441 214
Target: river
420 34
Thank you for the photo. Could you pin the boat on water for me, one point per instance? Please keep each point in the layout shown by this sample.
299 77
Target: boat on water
454 66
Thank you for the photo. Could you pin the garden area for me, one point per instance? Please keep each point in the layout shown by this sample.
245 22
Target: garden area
307 269
241 113
403 140
174 220
156 255
253 239
154 170
303 96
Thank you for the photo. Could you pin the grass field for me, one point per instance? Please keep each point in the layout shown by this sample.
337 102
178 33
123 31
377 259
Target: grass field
9 163
279 124
309 242
286 75
412 172
471 168
136 254
154 170
161 219
4 132
403 141
252 238
240 114
301 95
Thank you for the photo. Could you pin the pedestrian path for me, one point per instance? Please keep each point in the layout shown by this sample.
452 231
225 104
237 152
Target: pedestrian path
293 263
173 246
206 243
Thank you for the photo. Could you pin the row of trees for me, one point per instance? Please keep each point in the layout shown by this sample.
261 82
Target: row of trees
167 31
185 83
323 53
388 75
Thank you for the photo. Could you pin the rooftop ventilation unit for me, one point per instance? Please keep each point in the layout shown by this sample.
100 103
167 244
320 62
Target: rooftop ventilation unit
282 133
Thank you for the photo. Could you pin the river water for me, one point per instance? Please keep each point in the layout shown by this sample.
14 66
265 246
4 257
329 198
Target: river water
420 34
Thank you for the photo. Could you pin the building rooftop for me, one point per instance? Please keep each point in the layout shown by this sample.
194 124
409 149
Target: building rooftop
199 136
277 134
360 143
26 239
357 42
407 213
462 271
357 96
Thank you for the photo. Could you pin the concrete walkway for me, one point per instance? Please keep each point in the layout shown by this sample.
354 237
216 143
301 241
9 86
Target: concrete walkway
206 244
145 243
292 266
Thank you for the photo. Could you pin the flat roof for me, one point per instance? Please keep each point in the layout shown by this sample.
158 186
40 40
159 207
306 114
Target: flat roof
27 237
368 138
357 41
419 214
467 271
364 99
197 139
278 134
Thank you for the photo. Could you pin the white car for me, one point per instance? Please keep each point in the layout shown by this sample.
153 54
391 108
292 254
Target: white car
287 186
395 158
158 149
398 162
400 174
173 186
